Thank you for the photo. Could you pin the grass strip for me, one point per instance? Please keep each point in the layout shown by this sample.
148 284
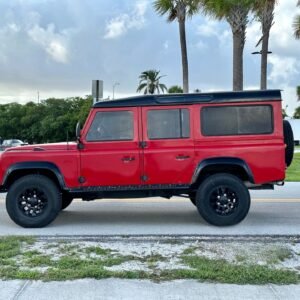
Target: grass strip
293 172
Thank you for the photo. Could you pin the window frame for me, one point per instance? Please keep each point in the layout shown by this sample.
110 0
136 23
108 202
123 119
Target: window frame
181 127
114 140
237 134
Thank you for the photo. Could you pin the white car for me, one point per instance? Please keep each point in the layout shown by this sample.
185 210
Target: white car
12 143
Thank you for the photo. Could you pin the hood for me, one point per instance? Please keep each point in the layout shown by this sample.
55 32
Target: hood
44 147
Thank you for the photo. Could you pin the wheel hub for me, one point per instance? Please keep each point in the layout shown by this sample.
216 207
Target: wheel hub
32 202
223 200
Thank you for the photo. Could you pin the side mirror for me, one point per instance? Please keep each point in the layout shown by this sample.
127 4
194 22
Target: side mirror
80 146
78 129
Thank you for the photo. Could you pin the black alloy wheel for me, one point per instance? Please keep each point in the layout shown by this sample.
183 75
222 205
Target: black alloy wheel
223 199
33 201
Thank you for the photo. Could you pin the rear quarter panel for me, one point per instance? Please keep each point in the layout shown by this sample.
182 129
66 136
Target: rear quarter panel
264 154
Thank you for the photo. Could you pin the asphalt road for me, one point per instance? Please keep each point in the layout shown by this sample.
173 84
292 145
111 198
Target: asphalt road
272 213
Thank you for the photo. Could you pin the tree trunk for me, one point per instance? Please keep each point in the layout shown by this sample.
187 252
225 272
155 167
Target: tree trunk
184 57
238 67
264 61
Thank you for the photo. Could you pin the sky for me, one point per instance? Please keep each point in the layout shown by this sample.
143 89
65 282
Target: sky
57 47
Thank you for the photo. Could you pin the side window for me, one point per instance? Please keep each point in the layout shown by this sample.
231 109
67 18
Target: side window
111 126
168 124
236 120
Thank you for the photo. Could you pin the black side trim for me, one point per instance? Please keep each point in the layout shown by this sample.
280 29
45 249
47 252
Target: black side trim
35 165
229 161
118 188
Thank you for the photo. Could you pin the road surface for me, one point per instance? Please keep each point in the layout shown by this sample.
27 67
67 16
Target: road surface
271 213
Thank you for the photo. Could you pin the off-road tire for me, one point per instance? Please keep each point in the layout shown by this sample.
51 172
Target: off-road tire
289 141
237 192
66 200
192 197
46 190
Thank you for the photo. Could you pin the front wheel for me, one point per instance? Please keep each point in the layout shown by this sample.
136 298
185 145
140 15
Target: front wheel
223 199
33 201
66 200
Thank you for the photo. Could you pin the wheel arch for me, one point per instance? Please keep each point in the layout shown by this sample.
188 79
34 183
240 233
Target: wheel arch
21 169
231 165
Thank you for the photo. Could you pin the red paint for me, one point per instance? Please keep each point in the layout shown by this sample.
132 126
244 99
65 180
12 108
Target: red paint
170 161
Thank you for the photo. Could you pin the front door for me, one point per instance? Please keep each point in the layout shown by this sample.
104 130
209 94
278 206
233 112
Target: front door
111 154
168 145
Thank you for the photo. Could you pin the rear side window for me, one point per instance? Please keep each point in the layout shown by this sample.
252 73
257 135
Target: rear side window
168 124
111 126
237 120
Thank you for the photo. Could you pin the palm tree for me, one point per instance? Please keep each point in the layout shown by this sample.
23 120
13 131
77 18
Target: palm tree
296 25
149 82
264 11
236 14
179 10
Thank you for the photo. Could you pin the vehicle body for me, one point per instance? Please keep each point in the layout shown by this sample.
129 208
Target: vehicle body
295 123
11 143
211 148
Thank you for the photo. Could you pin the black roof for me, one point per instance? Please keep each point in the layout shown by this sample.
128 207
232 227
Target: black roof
181 99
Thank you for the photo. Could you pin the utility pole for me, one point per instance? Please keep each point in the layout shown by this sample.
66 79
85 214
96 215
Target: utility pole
114 87
263 75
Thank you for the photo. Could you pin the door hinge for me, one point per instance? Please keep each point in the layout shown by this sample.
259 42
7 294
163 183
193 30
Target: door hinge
144 178
143 144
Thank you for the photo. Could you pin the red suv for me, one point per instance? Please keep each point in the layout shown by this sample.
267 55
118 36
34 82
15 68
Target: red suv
210 147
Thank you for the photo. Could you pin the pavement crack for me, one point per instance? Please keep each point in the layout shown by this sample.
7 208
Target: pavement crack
21 289
274 292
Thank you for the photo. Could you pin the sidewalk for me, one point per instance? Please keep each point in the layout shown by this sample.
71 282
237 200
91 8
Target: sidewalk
141 289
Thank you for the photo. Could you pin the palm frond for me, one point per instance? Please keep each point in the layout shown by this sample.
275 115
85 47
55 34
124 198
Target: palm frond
221 9
141 87
296 27
150 79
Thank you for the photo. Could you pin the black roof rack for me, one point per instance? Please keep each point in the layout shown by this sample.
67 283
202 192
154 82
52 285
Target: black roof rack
182 99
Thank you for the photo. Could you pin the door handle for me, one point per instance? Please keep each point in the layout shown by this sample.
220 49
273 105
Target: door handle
182 157
128 158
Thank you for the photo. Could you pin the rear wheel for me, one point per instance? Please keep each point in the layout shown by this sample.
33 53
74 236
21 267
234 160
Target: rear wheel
33 201
223 199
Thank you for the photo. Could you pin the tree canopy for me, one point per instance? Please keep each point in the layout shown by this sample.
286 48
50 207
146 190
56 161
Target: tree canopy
50 121
175 89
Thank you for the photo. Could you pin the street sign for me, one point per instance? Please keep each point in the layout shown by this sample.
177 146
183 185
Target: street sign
97 90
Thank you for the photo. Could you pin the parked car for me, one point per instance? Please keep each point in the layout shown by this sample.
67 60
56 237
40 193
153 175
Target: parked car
12 143
210 147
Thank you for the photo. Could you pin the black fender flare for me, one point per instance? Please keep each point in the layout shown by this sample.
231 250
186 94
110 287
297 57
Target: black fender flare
35 165
218 161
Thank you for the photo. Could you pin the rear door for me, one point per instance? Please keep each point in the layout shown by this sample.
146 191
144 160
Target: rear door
111 154
168 147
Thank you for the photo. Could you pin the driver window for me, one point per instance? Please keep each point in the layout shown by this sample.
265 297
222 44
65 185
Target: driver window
111 126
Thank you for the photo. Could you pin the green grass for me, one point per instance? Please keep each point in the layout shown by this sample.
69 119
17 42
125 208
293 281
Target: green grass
11 246
18 261
205 269
97 250
277 255
293 172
